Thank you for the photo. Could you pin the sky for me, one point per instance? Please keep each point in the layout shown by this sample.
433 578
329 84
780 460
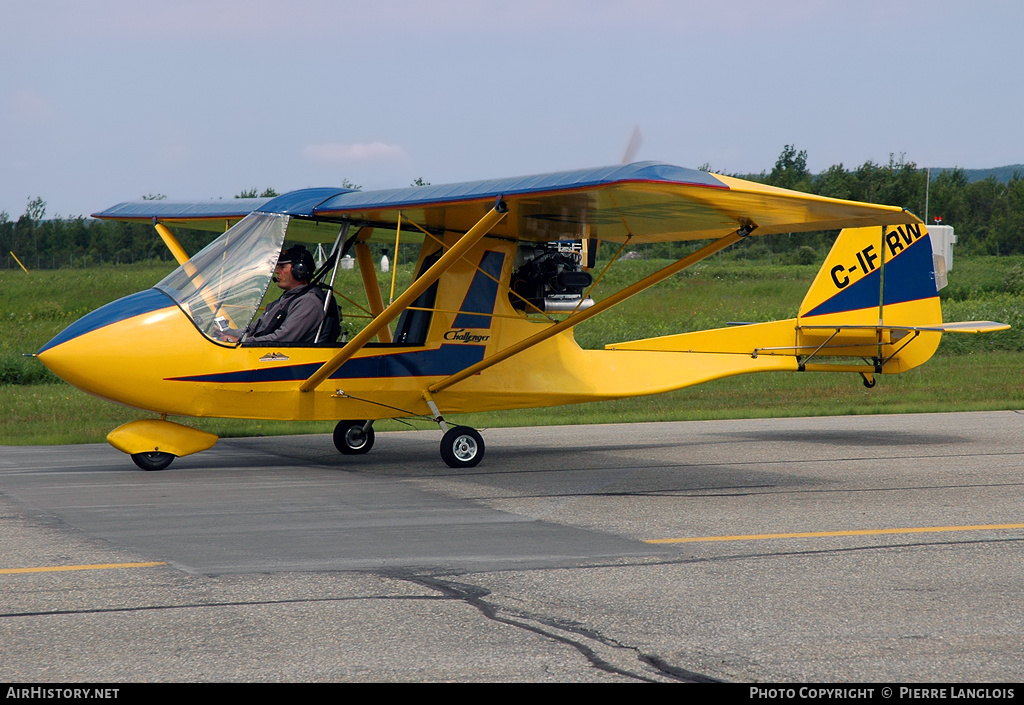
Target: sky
111 100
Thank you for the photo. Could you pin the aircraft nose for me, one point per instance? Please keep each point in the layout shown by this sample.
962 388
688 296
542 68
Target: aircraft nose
95 347
114 312
61 362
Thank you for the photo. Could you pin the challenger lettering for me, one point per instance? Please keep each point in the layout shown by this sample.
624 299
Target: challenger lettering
464 336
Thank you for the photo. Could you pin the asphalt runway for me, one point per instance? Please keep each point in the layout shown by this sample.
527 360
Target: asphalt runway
846 549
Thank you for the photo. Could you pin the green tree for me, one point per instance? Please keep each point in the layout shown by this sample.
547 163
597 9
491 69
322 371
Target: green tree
268 192
1009 223
36 209
947 196
983 204
898 183
25 239
790 170
6 233
834 182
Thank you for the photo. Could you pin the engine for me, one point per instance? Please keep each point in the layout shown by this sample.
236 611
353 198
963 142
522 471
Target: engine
552 280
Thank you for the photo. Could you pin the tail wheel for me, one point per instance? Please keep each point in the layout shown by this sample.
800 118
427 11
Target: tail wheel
351 439
154 460
462 447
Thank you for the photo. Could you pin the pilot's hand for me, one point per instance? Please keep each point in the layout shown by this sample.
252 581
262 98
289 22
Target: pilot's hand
226 337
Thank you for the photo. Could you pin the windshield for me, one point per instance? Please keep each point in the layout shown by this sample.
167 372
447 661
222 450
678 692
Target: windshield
222 285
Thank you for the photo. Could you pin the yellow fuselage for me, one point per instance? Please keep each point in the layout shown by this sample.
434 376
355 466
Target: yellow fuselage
158 360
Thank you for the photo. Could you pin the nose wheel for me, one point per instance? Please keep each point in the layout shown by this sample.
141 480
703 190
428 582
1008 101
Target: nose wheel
462 447
154 460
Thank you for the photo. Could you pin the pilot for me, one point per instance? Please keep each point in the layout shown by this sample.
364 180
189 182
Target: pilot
297 315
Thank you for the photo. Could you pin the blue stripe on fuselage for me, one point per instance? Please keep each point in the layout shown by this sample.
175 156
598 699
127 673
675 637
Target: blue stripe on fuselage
483 291
443 361
124 308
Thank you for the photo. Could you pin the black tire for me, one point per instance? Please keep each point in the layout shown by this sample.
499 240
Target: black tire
350 439
462 447
154 460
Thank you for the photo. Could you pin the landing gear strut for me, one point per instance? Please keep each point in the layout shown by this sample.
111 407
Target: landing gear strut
461 446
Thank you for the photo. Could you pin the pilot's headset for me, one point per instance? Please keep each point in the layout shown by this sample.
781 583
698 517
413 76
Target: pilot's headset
301 260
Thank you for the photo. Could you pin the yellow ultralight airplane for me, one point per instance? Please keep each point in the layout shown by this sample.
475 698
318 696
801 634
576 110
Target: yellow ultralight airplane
504 273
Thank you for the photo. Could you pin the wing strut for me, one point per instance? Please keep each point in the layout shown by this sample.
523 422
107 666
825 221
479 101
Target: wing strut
453 255
602 305
172 242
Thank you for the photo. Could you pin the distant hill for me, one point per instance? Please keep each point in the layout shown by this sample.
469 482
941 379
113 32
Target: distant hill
1002 173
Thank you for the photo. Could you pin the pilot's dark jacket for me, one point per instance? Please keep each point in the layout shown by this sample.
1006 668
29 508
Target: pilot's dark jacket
293 318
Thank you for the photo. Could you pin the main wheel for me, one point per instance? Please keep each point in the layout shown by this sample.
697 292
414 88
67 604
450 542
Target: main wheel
462 447
351 439
154 460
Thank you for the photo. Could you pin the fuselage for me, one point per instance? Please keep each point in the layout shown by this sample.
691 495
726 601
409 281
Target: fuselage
157 350
145 352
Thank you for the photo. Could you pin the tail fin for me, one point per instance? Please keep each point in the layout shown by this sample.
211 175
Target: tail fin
871 270
877 286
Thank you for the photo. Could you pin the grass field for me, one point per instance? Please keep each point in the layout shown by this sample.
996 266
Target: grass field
968 373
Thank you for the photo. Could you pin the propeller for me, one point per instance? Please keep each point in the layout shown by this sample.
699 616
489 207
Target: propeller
635 140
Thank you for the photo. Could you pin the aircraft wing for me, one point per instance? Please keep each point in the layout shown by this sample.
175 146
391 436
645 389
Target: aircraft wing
644 202
198 215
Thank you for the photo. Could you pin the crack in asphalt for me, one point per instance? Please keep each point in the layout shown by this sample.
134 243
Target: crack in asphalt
557 630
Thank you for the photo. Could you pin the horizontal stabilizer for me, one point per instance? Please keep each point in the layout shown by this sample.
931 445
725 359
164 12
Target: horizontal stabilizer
952 327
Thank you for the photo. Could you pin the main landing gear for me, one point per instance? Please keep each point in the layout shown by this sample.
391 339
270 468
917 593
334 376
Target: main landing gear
461 446
353 437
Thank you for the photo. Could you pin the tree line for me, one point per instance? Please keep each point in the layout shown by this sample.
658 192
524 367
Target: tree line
988 216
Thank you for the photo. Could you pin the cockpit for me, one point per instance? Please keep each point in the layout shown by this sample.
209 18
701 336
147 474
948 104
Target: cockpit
223 284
